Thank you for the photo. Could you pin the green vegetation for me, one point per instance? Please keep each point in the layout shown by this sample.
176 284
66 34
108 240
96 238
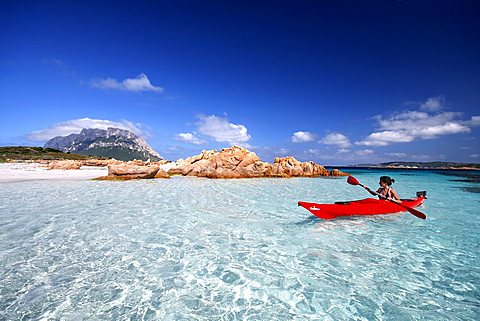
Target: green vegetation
15 153
120 153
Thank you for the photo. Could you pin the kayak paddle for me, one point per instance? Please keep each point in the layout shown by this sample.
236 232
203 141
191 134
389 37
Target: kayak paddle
353 181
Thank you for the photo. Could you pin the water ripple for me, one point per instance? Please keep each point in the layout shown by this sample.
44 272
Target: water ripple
199 249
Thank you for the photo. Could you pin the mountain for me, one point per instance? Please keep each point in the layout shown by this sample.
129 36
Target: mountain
118 143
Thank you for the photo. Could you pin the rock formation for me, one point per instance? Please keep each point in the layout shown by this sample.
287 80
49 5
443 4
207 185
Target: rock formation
64 164
76 164
233 162
130 171
237 162
162 174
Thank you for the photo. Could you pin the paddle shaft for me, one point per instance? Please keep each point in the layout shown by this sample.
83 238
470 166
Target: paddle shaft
408 208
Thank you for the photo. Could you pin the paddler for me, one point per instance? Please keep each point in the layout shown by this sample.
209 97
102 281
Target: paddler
385 190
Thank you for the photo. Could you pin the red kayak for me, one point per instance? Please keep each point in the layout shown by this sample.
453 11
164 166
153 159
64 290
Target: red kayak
368 206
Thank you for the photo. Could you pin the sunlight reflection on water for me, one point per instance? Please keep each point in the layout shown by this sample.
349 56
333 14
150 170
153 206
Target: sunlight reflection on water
189 248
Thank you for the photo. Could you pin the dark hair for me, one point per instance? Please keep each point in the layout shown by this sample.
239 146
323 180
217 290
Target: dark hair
387 180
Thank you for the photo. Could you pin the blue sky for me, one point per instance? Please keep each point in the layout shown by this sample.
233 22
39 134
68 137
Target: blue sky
336 82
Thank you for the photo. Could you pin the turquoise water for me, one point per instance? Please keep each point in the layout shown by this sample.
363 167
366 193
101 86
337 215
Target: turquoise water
199 249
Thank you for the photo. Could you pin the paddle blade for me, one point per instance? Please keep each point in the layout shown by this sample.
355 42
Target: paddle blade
415 212
352 181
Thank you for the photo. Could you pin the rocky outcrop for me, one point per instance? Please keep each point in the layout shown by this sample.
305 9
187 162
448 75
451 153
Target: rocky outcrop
237 162
233 162
100 162
64 164
77 164
228 163
336 172
117 170
130 171
162 174
290 167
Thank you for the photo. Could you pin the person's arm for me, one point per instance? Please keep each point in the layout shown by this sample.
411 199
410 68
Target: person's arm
369 190
394 194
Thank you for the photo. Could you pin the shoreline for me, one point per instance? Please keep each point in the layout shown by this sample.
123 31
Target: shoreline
32 171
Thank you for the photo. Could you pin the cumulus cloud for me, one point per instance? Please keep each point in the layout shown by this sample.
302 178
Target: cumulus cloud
141 83
75 126
221 130
433 104
337 139
302 137
411 120
189 138
411 125
474 121
364 152
385 138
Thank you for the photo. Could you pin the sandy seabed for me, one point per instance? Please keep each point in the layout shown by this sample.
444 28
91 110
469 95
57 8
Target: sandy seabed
17 172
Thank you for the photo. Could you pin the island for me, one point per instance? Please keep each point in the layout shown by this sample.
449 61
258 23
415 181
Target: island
228 163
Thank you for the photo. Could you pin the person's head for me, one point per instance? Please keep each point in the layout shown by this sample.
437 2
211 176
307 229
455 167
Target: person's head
386 181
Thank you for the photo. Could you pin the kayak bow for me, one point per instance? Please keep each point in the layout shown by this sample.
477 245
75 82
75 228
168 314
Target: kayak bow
368 206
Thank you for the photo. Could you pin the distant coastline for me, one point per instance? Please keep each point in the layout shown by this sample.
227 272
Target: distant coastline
414 166
30 153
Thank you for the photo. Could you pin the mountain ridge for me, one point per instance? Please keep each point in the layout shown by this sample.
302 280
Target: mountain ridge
113 142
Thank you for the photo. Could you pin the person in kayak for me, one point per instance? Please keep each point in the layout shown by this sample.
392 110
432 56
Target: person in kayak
385 190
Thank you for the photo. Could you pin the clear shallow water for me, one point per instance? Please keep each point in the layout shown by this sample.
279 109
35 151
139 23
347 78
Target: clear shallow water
199 249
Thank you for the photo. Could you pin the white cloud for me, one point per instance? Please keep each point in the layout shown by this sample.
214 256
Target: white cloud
411 156
221 130
75 126
474 121
313 151
141 83
415 120
423 157
411 125
319 154
364 152
282 152
189 138
336 139
386 138
302 137
475 155
433 104
397 155
268 152
438 130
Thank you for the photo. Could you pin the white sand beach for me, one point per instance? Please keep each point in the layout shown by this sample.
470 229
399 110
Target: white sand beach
16 172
